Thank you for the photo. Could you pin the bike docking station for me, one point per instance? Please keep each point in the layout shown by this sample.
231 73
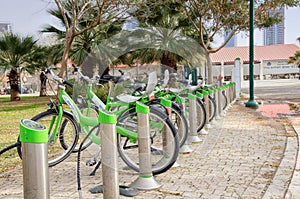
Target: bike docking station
168 105
110 174
204 131
185 148
146 180
193 135
34 142
218 102
212 93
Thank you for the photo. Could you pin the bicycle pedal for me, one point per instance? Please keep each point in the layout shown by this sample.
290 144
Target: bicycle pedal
90 163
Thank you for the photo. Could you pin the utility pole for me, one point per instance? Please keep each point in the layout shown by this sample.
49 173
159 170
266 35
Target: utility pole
251 102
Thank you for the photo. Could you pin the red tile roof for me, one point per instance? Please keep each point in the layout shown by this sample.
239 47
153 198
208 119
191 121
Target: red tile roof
273 52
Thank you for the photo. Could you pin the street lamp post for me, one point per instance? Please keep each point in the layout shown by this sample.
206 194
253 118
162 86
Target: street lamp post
251 102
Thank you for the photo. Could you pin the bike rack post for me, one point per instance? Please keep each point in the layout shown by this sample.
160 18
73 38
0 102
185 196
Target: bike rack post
185 148
212 92
34 139
206 104
227 90
145 181
110 175
168 104
234 91
193 135
222 111
218 103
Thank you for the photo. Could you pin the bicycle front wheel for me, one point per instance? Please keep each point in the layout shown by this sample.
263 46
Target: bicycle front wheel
65 139
163 136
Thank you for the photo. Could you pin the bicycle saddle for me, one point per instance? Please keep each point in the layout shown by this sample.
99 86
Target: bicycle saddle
114 79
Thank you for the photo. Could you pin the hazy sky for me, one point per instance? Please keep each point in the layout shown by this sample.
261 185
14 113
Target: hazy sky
29 16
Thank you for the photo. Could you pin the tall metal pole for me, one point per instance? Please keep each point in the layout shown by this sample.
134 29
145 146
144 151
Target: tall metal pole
251 102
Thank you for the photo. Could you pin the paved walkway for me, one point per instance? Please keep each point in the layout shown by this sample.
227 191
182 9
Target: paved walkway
245 155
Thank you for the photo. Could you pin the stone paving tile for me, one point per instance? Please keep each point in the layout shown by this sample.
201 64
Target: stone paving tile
243 156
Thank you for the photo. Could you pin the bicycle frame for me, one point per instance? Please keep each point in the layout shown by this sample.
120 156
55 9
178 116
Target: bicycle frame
85 121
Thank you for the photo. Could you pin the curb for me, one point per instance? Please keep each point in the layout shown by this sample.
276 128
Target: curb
293 190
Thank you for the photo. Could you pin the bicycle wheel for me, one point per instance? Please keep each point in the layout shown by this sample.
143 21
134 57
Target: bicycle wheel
65 140
201 112
164 141
177 118
224 101
212 108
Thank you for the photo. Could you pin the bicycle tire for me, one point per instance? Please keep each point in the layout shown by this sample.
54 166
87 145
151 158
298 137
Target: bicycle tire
212 106
224 102
177 118
162 156
66 139
201 112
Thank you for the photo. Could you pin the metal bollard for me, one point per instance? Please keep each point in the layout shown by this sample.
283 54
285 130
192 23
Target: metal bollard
109 153
213 93
218 103
235 95
34 138
202 131
193 135
145 181
168 104
206 104
185 148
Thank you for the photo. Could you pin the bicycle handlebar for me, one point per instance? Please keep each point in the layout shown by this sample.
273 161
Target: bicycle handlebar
56 78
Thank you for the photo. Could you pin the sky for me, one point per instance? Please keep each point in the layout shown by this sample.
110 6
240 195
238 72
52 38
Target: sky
29 16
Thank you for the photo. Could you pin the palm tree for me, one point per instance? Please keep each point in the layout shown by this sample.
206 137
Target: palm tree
295 60
16 54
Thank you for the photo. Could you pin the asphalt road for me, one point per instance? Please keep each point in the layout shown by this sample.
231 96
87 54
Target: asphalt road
276 89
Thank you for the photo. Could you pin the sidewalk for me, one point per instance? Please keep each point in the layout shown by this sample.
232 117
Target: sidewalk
245 155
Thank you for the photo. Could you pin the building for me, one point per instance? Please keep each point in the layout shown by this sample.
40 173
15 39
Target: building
5 27
269 61
275 34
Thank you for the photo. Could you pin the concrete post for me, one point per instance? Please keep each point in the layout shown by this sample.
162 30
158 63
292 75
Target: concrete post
109 154
145 181
34 138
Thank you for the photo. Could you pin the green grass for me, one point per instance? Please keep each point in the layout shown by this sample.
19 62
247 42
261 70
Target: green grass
10 115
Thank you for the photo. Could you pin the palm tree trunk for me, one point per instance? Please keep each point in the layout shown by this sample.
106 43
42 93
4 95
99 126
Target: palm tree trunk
167 60
14 80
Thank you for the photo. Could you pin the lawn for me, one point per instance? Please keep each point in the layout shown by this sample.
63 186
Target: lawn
10 115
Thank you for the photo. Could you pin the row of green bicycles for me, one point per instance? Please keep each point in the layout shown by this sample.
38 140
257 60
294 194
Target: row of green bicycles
72 119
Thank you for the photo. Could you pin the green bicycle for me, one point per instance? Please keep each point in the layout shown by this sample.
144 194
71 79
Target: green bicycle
65 126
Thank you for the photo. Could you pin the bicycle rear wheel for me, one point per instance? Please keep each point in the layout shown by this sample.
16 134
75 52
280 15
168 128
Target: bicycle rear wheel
164 141
201 112
65 140
223 100
177 118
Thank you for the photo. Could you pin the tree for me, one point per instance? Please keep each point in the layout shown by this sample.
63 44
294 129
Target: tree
161 17
81 16
82 44
295 60
210 18
16 54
